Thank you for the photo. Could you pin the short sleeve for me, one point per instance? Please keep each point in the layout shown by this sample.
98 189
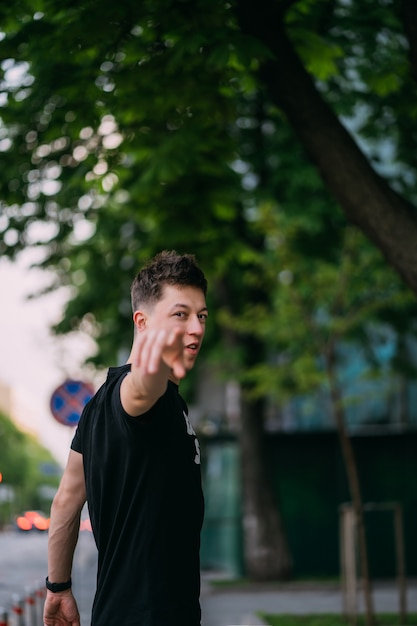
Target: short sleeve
76 441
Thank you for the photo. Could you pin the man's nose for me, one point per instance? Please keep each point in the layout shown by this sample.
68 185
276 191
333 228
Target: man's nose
195 327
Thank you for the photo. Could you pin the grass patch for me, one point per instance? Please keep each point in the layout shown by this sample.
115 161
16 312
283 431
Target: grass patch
382 619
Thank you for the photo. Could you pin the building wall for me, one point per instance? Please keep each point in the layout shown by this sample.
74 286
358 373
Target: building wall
310 485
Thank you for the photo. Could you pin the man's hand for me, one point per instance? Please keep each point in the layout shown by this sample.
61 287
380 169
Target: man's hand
157 355
60 609
157 348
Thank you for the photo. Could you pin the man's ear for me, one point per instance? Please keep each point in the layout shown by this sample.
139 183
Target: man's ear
139 319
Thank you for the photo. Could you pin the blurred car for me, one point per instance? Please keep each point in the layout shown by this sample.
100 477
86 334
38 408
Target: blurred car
32 521
85 524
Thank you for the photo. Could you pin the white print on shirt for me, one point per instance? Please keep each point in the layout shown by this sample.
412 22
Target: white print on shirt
191 431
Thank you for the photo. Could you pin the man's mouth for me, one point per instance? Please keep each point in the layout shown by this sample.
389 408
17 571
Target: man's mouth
192 346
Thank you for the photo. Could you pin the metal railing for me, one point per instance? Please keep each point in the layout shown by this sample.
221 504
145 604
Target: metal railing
26 609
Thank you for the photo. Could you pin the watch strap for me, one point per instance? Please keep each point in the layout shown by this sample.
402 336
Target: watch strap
57 587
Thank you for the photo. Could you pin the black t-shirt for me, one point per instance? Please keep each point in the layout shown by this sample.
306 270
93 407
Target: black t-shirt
146 508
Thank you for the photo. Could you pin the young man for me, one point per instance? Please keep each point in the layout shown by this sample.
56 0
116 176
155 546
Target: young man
136 460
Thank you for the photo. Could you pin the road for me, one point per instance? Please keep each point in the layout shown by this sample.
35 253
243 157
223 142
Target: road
23 563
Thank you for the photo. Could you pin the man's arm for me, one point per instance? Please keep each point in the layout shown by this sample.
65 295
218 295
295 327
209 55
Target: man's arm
157 355
60 608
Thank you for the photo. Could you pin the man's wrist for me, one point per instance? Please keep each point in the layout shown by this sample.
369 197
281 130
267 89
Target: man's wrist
57 587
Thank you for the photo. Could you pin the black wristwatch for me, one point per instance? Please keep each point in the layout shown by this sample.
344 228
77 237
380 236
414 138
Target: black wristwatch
56 587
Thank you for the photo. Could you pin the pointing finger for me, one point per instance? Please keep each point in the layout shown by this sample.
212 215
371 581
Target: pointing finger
154 355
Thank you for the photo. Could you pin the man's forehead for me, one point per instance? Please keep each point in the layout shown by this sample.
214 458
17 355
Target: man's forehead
168 289
181 294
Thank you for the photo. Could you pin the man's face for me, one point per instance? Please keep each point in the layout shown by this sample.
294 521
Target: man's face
184 308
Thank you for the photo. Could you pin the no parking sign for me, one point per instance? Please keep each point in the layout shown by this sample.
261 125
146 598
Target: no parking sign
69 399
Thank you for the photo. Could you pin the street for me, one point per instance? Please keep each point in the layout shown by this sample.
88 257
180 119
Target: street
23 564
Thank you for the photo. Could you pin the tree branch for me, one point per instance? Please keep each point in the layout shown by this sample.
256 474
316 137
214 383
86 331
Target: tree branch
367 200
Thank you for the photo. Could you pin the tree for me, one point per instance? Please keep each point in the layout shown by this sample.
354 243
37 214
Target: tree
340 46
180 149
134 126
318 307
23 461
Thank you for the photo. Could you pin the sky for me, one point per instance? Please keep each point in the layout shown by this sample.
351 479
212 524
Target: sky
32 361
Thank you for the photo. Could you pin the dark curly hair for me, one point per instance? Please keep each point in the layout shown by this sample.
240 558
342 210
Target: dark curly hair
166 268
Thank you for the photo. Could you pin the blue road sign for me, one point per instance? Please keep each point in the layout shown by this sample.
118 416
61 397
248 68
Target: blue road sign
68 401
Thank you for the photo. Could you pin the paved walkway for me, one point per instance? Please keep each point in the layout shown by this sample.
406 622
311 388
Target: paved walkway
239 605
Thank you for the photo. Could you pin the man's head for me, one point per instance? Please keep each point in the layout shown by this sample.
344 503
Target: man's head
169 294
166 268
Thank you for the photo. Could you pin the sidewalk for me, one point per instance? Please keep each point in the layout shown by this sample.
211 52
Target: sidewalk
238 605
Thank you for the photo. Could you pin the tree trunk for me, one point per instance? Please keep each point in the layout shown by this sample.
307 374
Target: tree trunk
266 552
367 200
353 482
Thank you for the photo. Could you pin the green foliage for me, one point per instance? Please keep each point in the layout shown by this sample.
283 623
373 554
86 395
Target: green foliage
22 464
131 127
318 304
